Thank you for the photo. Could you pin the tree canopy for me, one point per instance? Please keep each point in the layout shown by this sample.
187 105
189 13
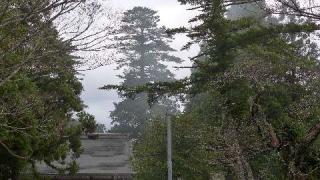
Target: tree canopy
252 108
260 82
145 49
39 89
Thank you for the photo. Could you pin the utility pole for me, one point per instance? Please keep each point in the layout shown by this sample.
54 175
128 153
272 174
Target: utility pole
169 147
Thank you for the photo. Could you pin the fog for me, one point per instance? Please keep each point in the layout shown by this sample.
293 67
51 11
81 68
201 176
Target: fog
172 14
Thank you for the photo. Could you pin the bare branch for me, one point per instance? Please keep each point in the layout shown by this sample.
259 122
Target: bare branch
11 152
312 134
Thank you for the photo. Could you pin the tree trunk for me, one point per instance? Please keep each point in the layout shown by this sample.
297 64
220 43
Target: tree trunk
295 173
236 159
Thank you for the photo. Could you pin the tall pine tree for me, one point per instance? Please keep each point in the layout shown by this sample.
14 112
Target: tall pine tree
145 48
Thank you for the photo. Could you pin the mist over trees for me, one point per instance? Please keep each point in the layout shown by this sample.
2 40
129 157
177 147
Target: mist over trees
254 96
251 102
145 49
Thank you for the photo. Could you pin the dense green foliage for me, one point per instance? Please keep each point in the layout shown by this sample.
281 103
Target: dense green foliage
88 123
253 104
191 157
145 48
255 91
39 92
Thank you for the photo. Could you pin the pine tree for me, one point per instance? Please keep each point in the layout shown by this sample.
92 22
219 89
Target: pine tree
145 48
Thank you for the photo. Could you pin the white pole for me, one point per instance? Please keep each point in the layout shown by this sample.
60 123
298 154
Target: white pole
169 147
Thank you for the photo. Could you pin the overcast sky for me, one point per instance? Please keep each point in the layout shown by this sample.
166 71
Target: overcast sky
100 102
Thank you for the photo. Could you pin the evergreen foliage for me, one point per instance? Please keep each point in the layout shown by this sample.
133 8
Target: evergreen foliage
39 92
145 48
260 82
88 122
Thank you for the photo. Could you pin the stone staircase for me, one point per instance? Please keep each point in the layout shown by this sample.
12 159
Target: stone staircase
105 157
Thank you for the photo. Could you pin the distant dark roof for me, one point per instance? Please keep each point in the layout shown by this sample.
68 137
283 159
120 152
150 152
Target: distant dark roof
106 156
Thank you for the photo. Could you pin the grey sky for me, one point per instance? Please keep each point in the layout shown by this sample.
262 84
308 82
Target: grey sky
172 14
